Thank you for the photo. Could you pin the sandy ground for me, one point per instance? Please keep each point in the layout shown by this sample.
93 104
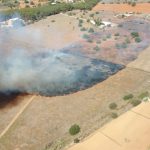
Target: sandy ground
131 131
140 8
54 32
58 34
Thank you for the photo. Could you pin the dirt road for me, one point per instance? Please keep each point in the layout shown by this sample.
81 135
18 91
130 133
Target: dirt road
17 116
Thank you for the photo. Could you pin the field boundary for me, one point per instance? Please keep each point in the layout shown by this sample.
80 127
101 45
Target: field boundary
17 116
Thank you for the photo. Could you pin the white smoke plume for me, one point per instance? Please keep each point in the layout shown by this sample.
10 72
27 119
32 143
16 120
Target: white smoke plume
29 68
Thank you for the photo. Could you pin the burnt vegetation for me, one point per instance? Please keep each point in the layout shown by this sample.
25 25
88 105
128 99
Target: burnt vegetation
8 99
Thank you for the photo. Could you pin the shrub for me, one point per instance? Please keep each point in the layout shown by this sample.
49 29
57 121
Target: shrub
80 25
90 40
134 34
88 20
76 140
127 41
120 25
96 48
129 2
27 6
91 15
26 1
80 21
91 30
16 1
98 22
83 29
123 16
138 40
70 14
104 39
39 5
135 102
133 4
108 36
127 97
52 20
118 46
114 115
124 45
85 36
112 105
98 42
74 129
116 34
31 3
143 95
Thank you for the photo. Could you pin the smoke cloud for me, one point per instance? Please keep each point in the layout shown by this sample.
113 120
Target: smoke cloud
46 71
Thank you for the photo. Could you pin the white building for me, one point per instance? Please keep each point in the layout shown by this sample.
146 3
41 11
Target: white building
12 23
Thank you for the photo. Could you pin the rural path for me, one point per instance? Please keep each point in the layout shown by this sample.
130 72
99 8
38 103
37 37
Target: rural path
17 116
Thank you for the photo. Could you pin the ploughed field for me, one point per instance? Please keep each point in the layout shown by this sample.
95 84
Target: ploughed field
139 8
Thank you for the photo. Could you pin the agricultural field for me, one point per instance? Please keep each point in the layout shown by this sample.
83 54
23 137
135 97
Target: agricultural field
79 69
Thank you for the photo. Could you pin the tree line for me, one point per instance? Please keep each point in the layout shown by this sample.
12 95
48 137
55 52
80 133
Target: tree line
40 12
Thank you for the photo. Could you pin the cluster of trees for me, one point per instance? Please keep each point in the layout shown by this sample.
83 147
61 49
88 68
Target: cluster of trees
9 3
47 10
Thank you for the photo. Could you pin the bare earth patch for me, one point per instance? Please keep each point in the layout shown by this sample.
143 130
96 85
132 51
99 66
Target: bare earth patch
140 8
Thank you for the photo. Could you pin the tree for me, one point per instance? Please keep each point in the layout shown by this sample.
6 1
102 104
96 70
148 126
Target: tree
112 105
98 22
74 129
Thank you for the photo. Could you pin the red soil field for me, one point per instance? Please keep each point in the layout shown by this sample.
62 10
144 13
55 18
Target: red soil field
140 8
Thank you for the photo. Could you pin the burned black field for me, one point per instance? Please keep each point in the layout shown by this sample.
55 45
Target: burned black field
53 73
75 67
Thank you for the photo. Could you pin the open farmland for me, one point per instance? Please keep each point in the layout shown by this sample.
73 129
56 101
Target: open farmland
126 131
64 43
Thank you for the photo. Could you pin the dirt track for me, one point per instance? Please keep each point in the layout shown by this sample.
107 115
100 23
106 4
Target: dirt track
16 117
140 8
